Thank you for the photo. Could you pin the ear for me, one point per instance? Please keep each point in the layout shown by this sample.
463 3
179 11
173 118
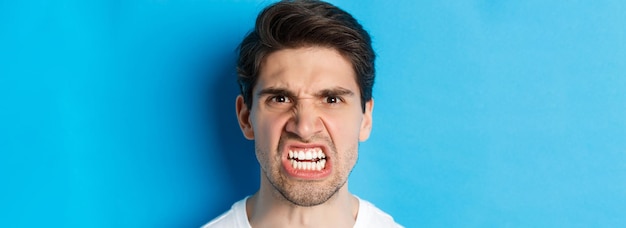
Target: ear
243 115
366 123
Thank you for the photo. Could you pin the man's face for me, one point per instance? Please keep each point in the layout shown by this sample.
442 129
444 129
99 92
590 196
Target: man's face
306 120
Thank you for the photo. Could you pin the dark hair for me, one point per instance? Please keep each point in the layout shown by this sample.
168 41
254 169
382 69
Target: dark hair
301 23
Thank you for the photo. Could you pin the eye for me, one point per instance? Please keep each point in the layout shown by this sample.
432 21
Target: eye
333 100
280 99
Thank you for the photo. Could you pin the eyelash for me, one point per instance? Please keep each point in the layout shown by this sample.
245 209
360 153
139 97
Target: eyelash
275 97
287 99
336 98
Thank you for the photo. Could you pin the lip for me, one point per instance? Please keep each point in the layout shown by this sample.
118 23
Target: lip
305 174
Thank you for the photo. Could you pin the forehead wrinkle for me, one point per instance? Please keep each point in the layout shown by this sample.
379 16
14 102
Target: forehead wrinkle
283 70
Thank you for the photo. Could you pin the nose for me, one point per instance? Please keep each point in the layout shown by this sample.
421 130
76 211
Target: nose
306 122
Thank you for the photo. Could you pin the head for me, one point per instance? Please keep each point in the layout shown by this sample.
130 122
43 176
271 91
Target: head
306 73
293 24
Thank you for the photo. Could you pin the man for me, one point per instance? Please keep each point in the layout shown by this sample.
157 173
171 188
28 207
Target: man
306 73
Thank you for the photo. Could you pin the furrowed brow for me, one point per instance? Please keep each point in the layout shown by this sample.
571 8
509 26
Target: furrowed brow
275 91
335 92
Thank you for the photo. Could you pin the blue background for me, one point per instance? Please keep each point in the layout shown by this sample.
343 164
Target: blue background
488 113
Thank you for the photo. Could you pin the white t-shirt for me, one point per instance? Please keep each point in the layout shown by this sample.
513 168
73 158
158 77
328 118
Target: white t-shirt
368 216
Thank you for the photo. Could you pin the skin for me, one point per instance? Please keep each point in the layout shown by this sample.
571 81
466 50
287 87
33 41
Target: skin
305 97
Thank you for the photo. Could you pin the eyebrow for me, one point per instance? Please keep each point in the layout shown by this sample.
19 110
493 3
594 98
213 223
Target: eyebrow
275 91
332 92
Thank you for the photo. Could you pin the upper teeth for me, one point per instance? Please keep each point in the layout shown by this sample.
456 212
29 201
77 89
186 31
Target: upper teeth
307 154
308 159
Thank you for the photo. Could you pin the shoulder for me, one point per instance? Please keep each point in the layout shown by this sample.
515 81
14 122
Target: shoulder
371 216
235 217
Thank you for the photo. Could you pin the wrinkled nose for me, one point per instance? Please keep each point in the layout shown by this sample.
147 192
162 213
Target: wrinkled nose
305 122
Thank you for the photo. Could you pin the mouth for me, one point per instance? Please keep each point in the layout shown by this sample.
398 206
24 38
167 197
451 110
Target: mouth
307 162
313 159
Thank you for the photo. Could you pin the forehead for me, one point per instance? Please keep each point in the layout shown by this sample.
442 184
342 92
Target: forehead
307 69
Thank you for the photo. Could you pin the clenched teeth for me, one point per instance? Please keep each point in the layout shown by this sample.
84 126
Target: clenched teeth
305 165
308 159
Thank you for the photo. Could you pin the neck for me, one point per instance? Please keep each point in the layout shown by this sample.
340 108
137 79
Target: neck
268 208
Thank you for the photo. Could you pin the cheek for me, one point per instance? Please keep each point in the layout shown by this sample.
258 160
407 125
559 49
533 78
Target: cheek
343 129
268 129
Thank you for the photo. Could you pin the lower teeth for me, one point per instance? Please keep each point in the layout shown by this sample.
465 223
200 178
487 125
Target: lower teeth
319 165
